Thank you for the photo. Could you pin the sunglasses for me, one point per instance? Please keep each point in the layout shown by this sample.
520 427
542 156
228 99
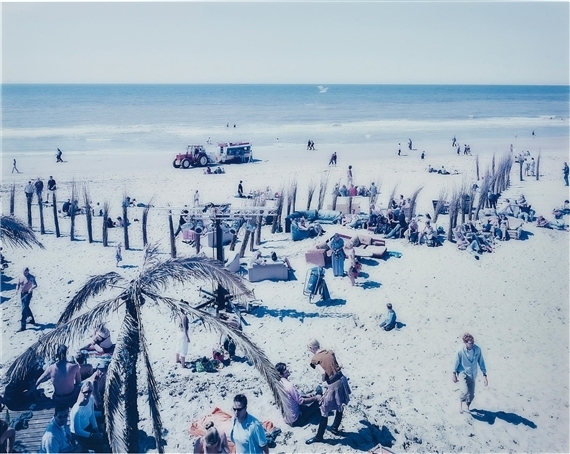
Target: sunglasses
239 409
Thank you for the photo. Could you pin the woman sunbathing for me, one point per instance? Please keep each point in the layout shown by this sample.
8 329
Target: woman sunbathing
101 342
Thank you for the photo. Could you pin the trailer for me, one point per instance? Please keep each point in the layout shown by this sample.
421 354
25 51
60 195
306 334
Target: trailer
238 152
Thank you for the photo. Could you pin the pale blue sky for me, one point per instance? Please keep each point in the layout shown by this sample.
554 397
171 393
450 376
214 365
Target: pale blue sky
316 43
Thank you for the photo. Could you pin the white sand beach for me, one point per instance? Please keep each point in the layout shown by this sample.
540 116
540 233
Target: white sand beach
514 301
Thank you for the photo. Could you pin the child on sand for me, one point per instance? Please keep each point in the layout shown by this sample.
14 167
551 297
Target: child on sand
118 255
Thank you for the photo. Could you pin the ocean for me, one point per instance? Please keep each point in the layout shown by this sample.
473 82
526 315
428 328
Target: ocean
111 119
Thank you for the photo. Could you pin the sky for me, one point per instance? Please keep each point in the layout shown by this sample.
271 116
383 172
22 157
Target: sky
287 42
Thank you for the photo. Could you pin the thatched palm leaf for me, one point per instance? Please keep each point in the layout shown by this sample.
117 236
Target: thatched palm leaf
186 269
71 332
116 387
93 287
16 233
151 255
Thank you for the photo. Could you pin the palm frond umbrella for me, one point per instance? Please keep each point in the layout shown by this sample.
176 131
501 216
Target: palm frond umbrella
121 392
16 233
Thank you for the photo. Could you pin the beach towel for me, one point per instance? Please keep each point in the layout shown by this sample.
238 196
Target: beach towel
223 422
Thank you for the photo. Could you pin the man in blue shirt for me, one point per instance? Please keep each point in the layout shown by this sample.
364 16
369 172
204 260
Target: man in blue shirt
247 432
467 358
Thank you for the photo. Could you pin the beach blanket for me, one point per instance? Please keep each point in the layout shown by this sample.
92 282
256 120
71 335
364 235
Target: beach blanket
223 422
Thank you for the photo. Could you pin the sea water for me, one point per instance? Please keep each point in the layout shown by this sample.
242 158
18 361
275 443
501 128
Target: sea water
107 119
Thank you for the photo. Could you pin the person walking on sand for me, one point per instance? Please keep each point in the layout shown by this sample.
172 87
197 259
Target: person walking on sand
349 176
410 144
59 153
182 352
565 171
337 394
467 359
240 189
247 433
332 160
399 149
26 285
196 198
118 254
14 167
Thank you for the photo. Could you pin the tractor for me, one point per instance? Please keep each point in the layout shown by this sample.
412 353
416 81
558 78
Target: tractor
195 156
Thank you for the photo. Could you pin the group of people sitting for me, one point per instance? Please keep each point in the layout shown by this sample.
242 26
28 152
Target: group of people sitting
218 170
518 208
314 229
476 241
560 221
118 223
70 208
78 390
442 171
354 191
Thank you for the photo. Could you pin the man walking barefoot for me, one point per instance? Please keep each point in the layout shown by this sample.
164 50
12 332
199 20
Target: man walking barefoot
467 358
26 285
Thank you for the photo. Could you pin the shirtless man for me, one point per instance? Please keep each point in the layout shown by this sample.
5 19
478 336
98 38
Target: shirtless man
66 378
26 285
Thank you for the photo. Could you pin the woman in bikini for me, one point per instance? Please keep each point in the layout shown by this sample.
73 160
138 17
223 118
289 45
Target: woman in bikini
101 342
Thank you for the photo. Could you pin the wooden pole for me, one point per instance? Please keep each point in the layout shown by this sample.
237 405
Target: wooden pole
12 198
125 224
244 244
29 205
41 208
172 239
55 217
105 227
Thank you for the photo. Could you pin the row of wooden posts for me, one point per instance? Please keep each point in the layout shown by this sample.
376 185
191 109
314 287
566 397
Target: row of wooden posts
249 236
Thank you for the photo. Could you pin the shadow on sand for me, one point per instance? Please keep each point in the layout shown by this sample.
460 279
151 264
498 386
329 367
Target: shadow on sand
6 286
490 417
366 438
263 311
